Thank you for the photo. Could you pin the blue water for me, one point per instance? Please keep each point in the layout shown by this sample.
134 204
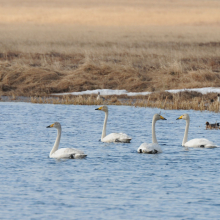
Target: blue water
114 181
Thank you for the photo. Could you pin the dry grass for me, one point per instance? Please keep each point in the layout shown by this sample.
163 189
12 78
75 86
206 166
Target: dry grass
64 46
134 66
163 100
110 12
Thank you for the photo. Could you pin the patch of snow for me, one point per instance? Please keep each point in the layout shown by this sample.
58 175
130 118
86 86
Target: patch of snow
104 92
90 92
201 90
138 93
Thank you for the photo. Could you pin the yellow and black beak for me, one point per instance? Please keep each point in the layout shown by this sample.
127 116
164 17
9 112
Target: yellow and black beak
50 126
162 118
100 108
181 117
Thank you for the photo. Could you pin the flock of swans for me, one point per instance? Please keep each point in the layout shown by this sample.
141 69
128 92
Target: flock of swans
148 148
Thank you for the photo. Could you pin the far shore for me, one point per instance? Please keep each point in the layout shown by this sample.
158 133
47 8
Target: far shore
147 46
164 100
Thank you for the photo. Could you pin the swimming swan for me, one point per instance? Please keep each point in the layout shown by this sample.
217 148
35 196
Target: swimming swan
113 137
63 153
197 142
153 147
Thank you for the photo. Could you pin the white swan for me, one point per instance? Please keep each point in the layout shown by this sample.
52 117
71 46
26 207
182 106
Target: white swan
197 142
153 147
113 137
63 153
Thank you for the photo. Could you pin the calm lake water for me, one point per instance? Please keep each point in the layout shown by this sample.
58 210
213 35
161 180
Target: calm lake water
114 181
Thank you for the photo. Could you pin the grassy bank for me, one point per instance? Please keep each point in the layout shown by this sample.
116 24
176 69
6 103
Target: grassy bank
163 100
68 46
135 63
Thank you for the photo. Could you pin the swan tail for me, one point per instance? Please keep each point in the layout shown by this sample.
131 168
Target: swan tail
123 140
152 152
148 152
210 146
72 156
77 156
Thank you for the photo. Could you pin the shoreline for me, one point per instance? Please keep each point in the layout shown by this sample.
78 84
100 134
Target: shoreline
187 100
68 52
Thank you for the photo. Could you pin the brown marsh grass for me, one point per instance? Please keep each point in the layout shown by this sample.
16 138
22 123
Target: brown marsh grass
163 100
135 65
110 12
67 46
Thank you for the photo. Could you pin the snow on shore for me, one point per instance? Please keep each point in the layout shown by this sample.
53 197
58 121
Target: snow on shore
104 92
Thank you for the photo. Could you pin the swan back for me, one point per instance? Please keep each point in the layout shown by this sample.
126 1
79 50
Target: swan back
117 137
200 143
149 148
68 153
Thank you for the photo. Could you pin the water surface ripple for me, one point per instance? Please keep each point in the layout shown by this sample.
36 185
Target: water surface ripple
114 181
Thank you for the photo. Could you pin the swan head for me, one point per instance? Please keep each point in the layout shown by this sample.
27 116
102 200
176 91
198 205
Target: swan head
184 116
158 117
56 125
103 108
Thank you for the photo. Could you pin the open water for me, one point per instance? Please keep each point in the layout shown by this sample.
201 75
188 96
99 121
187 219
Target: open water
114 181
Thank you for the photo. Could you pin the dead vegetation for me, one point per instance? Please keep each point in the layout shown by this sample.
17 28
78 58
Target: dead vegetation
38 74
163 100
106 46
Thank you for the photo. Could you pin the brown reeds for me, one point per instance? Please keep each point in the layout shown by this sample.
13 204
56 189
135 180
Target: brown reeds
29 74
89 46
172 101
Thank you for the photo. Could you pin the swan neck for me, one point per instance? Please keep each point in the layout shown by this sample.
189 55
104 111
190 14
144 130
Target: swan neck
154 139
57 142
186 132
104 126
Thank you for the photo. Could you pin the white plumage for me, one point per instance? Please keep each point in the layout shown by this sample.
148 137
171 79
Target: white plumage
197 142
154 147
63 153
113 137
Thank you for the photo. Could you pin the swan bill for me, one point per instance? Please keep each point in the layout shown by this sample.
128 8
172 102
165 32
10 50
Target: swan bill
100 108
161 117
181 117
50 126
